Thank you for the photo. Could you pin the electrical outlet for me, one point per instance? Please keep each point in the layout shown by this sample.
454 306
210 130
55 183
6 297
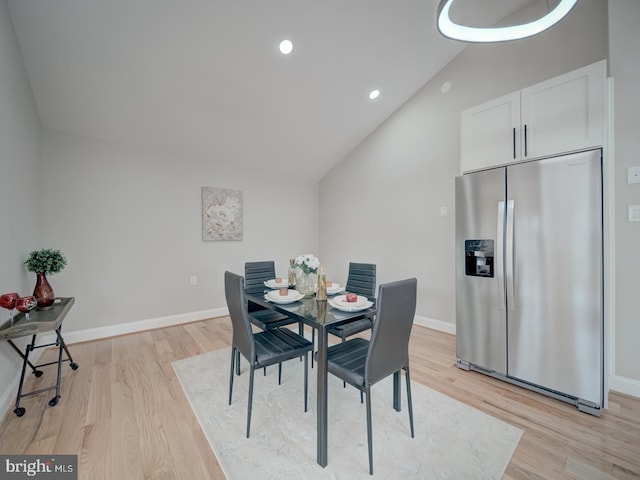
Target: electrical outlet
193 280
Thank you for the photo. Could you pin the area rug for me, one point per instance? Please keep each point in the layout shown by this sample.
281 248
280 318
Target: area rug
452 440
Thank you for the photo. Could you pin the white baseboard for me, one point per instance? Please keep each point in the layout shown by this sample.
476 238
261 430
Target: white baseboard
624 385
139 326
171 320
439 325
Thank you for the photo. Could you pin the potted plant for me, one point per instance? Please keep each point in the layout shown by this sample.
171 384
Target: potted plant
42 262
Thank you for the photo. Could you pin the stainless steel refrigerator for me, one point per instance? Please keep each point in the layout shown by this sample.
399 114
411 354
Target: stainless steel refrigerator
529 276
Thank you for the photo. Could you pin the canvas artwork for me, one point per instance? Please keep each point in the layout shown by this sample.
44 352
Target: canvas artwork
221 214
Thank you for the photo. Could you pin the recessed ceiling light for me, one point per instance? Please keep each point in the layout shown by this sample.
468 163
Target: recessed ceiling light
374 94
286 47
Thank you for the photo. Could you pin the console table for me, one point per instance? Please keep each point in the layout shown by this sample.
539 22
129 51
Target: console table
39 321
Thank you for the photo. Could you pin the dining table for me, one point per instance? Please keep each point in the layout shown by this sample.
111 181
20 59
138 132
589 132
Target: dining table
319 314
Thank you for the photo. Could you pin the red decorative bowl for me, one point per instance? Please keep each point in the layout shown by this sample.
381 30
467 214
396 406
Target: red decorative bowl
9 300
26 304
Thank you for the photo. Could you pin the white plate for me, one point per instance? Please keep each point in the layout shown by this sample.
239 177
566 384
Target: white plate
275 297
350 306
342 300
273 284
332 290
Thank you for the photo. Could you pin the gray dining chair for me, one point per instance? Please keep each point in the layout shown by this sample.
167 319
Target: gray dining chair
363 363
255 274
361 281
260 349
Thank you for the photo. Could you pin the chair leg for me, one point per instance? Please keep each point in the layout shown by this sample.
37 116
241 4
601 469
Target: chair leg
369 431
280 373
344 384
250 400
301 332
233 356
306 378
313 343
408 380
237 362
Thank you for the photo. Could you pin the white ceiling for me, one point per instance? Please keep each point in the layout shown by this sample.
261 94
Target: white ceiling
204 78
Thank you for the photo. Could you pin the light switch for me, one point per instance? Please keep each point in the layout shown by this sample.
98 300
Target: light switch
634 213
444 212
633 175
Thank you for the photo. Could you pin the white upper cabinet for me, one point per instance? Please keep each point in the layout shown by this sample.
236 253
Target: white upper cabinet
565 113
560 115
489 133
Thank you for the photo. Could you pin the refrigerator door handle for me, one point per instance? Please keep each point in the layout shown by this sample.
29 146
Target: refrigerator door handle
499 259
509 256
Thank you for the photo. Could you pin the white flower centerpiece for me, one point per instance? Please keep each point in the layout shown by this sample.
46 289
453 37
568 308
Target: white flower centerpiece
307 267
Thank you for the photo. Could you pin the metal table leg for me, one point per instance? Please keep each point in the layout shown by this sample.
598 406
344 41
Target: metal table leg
322 400
62 346
19 411
35 371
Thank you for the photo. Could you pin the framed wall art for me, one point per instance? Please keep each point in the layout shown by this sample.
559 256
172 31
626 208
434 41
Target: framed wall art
221 214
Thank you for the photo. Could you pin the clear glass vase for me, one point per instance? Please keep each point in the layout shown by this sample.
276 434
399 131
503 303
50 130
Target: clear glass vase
292 273
306 283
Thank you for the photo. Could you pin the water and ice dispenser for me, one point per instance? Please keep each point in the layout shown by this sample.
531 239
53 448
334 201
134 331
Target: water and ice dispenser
478 258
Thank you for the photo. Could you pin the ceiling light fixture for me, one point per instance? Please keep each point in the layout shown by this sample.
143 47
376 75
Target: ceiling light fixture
455 31
374 94
286 47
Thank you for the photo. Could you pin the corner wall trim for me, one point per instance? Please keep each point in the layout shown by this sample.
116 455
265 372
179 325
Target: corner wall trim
434 324
624 385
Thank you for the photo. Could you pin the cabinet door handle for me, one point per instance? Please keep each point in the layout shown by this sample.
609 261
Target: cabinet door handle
514 143
525 140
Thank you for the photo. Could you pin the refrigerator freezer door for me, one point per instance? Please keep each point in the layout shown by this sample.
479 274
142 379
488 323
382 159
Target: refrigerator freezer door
555 319
480 318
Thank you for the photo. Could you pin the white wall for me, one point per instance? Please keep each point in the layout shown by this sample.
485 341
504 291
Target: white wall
624 46
129 222
382 203
20 183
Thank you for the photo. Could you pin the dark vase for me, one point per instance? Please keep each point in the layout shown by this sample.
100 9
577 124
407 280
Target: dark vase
43 291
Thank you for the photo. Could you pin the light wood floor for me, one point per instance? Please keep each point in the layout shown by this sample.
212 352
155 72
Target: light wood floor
124 413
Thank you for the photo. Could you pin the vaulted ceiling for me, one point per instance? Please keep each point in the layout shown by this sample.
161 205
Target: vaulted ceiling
205 78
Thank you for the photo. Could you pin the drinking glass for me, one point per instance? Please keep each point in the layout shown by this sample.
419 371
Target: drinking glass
26 304
9 301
